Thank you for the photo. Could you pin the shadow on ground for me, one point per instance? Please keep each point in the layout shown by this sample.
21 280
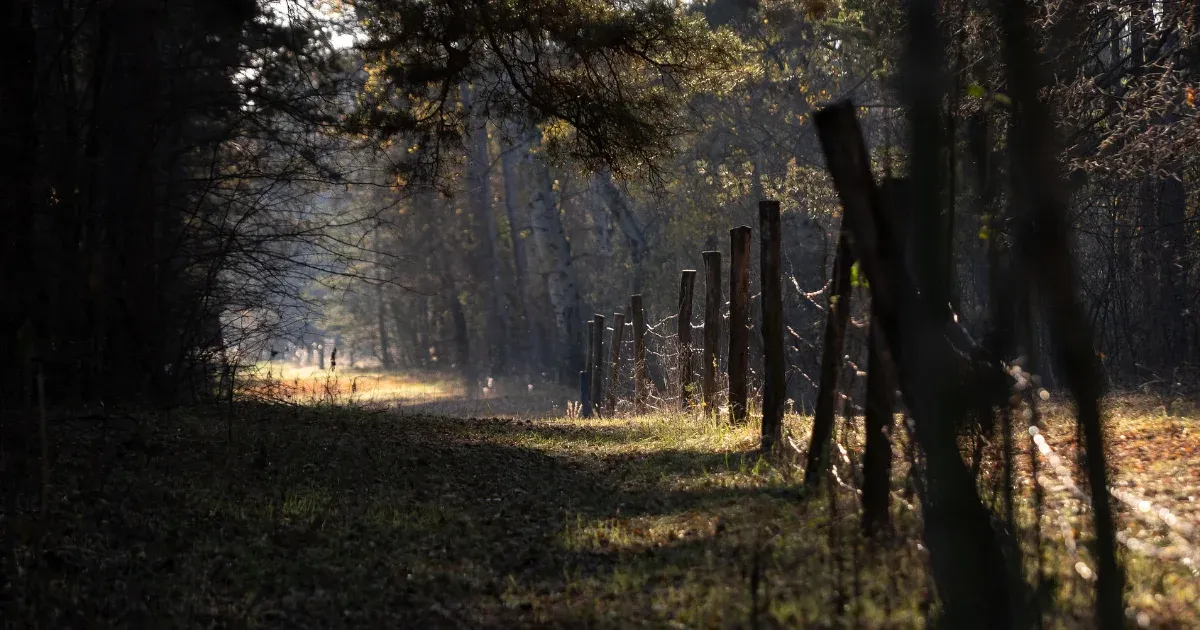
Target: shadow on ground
339 518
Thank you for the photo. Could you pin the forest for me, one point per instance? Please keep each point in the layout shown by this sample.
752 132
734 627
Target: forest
600 314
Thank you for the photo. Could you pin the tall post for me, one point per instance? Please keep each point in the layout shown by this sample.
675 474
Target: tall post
838 314
774 382
585 377
639 353
972 577
615 361
686 284
739 321
597 366
712 328
881 388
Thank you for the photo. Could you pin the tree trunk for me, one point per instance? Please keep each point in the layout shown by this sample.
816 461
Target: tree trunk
480 183
462 342
555 253
631 226
385 349
524 287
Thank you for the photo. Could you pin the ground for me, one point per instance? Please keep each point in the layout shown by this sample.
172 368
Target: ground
400 502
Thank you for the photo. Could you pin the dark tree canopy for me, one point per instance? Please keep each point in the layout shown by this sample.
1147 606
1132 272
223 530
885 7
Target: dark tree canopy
609 79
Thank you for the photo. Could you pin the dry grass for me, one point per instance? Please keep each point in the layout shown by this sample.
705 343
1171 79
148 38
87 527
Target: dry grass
335 515
425 393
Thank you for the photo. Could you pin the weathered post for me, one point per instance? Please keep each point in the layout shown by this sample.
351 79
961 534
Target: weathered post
878 421
739 321
585 394
639 353
585 377
598 366
615 362
712 328
686 283
774 382
837 315
966 556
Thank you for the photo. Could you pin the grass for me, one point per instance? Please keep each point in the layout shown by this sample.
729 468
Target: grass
414 393
334 515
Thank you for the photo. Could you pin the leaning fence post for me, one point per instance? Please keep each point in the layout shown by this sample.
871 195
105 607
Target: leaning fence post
774 381
712 328
598 366
615 361
831 361
881 388
739 321
686 283
585 377
639 353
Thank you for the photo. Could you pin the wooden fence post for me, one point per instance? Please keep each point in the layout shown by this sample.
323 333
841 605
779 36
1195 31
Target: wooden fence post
585 394
615 369
774 378
958 528
881 388
639 353
585 377
598 366
831 362
739 321
686 283
712 328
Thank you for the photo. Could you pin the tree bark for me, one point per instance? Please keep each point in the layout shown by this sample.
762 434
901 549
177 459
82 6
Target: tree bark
462 342
631 226
554 250
385 348
480 183
524 287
